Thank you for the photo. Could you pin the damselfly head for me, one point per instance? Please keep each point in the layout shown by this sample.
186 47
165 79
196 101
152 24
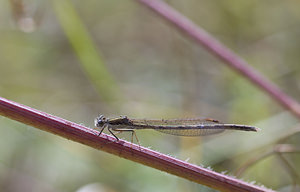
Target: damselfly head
100 121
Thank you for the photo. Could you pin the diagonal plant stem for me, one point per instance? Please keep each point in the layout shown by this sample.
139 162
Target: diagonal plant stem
107 143
90 58
203 38
290 169
277 149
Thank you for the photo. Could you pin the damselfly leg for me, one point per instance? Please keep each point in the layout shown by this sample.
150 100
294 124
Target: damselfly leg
110 129
132 134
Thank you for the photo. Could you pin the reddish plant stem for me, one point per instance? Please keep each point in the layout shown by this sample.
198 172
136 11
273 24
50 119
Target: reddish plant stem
222 52
87 136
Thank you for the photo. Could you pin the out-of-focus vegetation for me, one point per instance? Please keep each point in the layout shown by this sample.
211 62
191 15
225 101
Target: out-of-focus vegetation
78 59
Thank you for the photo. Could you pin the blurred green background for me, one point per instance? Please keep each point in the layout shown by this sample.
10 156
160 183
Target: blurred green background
79 59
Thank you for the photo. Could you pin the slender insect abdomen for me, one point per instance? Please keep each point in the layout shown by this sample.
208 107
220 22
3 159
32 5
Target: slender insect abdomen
201 130
190 132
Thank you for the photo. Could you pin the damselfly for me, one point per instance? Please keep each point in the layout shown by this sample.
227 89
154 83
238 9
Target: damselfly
180 127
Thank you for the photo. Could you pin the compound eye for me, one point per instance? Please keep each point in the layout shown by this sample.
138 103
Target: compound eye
99 121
